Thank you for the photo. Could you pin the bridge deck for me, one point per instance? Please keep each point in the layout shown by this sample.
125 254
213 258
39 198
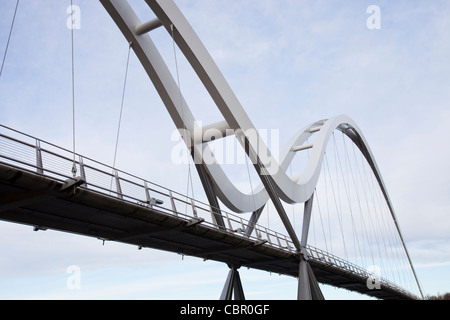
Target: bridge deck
37 200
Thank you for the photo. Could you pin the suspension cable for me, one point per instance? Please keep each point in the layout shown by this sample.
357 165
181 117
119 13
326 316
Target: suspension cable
9 37
337 198
122 103
182 112
351 182
74 167
316 194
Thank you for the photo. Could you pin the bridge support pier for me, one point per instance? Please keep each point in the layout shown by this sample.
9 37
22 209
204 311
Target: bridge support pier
233 285
308 287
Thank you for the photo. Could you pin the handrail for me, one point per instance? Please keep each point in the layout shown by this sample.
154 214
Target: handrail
100 178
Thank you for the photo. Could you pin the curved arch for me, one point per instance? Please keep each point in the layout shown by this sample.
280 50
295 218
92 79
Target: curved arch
292 190
298 189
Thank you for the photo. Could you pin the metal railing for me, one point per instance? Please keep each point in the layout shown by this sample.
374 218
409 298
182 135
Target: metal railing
329 260
43 158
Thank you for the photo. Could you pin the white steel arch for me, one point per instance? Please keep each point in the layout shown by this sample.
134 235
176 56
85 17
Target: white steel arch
275 184
297 189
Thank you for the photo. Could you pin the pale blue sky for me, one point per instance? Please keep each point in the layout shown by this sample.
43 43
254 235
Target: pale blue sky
307 60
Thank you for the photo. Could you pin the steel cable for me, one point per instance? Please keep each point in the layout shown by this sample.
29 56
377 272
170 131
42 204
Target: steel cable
9 38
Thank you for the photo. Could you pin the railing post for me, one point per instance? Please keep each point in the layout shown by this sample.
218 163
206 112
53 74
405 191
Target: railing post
118 188
82 171
39 164
258 233
147 195
194 211
213 217
287 242
268 237
242 226
230 227
278 240
172 202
